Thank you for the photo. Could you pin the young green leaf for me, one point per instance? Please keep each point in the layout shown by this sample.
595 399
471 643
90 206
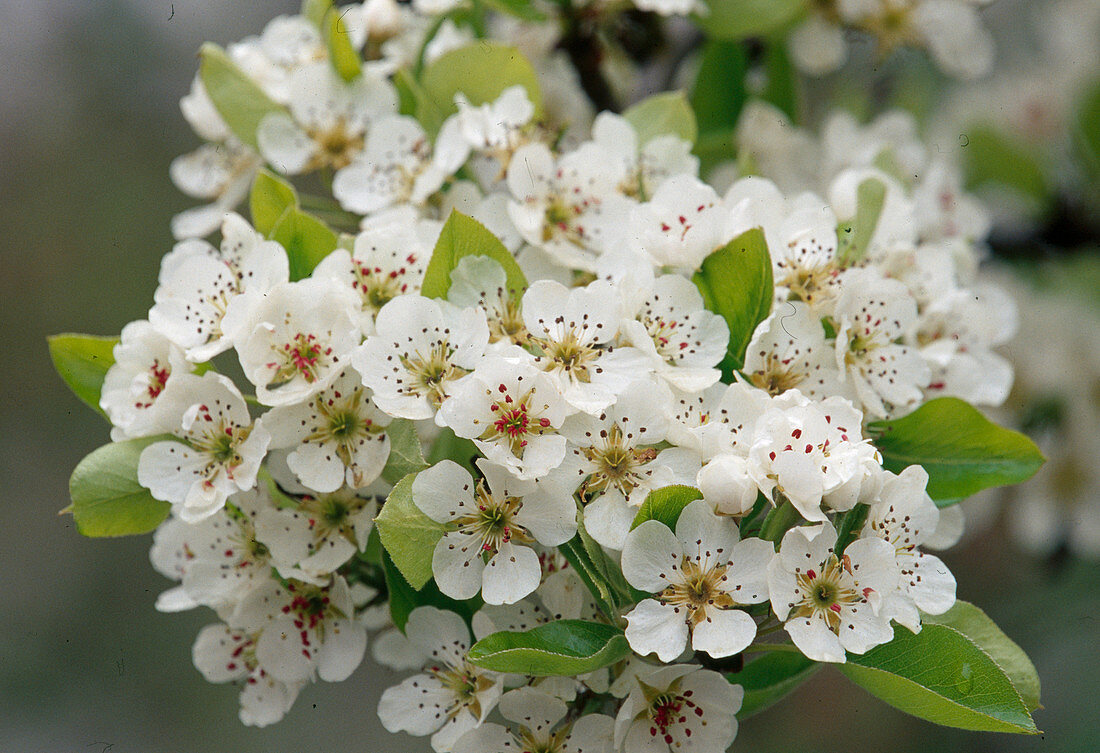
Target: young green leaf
719 92
306 239
481 72
521 9
666 504
403 598
315 10
447 446
781 86
268 201
976 625
736 283
237 98
991 158
406 455
341 54
82 361
464 236
563 648
107 498
1087 130
962 450
408 534
735 20
602 577
943 676
854 237
661 114
771 677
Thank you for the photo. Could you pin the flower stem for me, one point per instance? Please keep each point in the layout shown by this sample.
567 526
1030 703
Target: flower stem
779 521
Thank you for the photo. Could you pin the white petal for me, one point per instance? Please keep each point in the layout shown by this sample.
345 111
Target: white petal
512 573
655 628
724 632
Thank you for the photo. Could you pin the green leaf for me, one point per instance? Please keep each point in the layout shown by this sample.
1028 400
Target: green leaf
962 450
1087 130
943 676
976 625
315 10
82 361
602 577
719 91
768 679
781 88
522 9
306 239
406 455
666 504
237 98
403 598
465 236
562 648
481 71
107 498
343 56
854 237
736 282
447 446
270 198
661 114
740 19
408 534
990 157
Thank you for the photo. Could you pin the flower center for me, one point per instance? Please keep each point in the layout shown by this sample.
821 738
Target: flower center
431 373
514 421
336 146
493 521
301 357
827 593
465 683
697 590
378 287
777 375
616 463
570 355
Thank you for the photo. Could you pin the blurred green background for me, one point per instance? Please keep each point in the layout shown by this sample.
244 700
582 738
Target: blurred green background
88 124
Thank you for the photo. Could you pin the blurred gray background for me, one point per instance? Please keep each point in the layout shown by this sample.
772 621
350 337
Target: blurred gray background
88 124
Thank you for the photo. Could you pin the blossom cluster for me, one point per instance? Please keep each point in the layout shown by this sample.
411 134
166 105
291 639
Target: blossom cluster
531 305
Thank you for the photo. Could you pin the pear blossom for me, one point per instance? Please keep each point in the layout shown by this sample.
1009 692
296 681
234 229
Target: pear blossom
221 171
328 119
452 696
700 575
490 527
788 349
223 654
297 340
494 131
336 436
303 629
512 412
812 453
419 353
217 560
144 363
198 282
573 331
904 515
641 167
832 603
539 723
681 224
387 260
680 706
727 485
220 451
568 206
664 318
310 541
480 281
395 167
872 313
719 420
615 461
